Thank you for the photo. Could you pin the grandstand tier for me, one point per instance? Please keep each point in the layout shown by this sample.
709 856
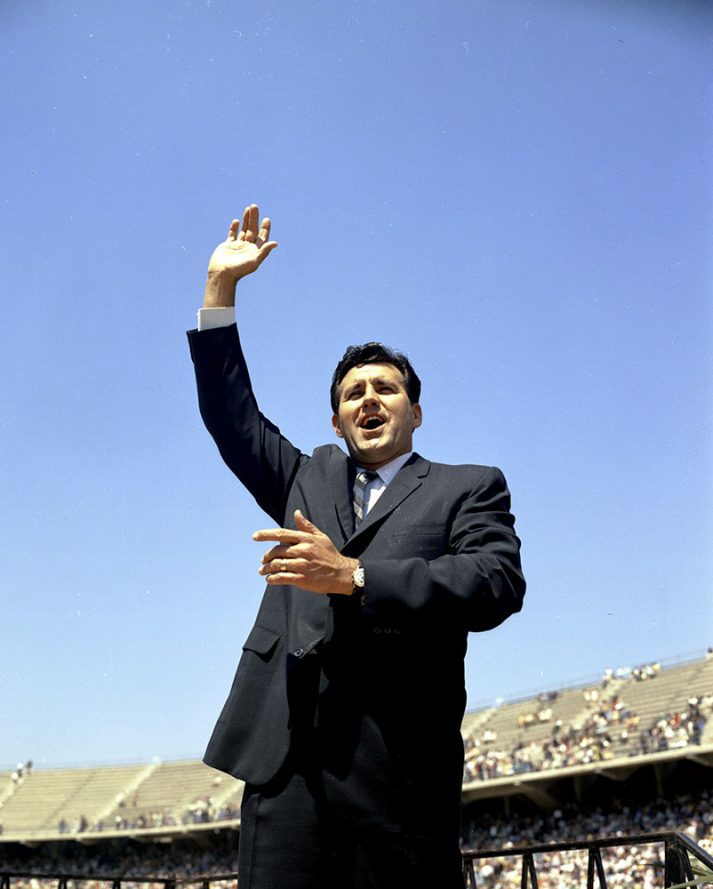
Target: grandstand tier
648 726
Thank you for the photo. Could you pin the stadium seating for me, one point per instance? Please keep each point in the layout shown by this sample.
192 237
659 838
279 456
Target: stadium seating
175 796
629 713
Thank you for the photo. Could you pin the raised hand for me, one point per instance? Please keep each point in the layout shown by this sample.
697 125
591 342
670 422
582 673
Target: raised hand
243 251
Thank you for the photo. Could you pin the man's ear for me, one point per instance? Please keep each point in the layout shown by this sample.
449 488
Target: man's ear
417 415
335 425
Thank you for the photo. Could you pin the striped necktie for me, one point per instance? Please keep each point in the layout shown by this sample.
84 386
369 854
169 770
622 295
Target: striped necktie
363 478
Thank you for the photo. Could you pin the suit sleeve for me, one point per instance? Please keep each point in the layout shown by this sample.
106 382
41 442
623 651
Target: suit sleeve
251 446
477 583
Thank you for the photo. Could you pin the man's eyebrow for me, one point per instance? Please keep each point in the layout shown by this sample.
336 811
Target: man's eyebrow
384 381
375 380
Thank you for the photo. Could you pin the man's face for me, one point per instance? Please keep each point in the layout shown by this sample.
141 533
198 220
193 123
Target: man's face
375 417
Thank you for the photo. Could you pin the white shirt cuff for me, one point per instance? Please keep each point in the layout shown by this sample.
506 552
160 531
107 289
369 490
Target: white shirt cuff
223 316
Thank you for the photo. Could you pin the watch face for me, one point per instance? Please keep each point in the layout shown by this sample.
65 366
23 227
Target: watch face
358 577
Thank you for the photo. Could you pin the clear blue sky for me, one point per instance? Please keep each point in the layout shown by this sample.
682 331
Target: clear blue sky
518 194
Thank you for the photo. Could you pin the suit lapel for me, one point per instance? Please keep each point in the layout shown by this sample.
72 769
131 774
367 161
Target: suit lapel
407 480
341 482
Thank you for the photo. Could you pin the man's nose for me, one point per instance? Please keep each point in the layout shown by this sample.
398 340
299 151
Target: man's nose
370 398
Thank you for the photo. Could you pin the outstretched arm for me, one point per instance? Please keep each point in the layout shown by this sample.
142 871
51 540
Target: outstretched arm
247 246
254 449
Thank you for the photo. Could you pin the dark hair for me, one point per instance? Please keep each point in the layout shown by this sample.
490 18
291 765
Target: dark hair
375 353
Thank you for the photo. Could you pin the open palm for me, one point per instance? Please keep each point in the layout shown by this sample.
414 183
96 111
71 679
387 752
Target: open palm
245 248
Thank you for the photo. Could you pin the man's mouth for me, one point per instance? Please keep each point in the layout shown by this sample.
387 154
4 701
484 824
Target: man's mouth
372 423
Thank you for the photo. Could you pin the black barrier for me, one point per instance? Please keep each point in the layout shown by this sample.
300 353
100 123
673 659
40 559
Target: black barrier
679 853
71 881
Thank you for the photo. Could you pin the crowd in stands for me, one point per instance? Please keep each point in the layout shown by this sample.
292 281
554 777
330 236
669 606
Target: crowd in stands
202 811
640 673
180 859
568 745
627 867
543 712
609 725
676 730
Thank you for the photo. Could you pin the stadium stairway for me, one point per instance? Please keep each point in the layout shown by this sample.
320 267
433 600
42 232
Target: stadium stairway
131 788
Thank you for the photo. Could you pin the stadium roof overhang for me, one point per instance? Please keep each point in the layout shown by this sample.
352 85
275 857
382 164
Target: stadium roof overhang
194 832
538 787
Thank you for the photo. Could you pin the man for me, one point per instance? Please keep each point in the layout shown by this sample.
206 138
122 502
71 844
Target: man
344 715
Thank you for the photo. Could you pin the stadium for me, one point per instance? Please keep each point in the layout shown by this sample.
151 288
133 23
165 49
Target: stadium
606 782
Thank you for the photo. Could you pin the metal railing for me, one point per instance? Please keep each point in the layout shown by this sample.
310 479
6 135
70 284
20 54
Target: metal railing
679 853
67 881
679 850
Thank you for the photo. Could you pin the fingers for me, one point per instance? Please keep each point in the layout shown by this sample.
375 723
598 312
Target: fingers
280 578
265 251
283 570
282 551
245 224
288 561
304 524
264 233
304 531
284 560
281 535
275 566
263 242
249 229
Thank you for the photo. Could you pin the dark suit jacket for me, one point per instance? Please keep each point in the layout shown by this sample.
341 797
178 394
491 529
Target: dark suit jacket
441 558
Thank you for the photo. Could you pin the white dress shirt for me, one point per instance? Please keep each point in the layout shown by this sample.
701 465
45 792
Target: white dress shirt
385 474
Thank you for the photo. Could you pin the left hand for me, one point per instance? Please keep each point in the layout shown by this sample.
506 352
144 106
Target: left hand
306 558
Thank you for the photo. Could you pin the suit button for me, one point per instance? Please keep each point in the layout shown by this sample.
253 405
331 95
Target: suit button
298 652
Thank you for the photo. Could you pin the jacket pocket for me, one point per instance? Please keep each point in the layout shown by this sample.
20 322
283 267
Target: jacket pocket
261 641
426 541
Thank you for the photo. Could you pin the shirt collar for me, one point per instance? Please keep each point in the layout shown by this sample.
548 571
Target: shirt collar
387 472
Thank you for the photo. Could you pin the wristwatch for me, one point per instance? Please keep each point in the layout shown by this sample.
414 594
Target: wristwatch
358 582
